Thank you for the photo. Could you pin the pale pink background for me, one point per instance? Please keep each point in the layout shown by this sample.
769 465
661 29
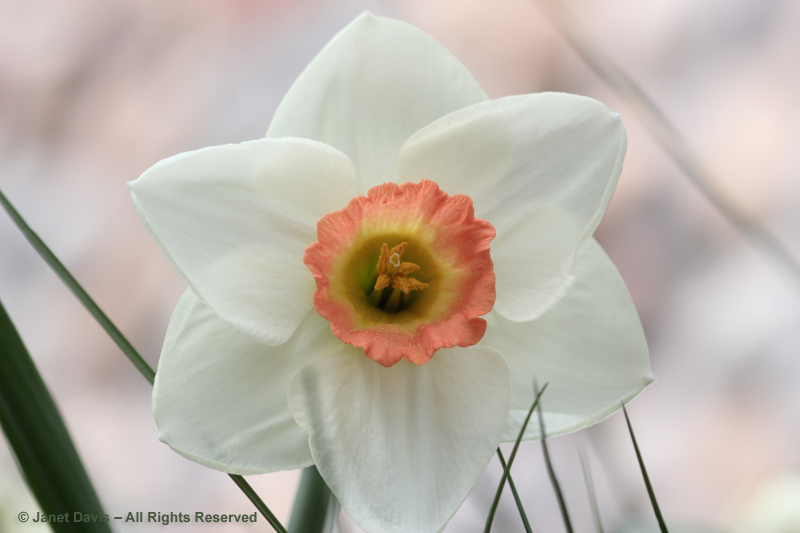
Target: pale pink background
92 93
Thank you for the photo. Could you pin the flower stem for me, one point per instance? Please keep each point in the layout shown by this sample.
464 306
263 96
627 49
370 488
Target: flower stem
333 514
311 503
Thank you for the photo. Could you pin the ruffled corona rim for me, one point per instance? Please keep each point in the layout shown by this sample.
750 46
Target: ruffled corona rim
404 271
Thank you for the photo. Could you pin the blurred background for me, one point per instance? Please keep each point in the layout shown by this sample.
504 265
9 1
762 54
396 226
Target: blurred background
92 93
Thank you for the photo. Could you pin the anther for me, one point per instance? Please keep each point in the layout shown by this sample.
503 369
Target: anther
392 272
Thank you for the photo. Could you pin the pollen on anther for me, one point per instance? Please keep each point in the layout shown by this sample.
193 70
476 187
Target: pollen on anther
392 272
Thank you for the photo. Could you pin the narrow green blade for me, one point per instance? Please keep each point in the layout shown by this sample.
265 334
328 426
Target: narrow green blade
256 500
82 296
507 468
661 524
562 504
522 514
587 476
40 441
311 504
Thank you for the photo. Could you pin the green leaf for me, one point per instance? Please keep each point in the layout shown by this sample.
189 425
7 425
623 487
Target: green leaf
507 467
73 285
256 500
40 441
562 504
522 514
311 503
116 335
661 524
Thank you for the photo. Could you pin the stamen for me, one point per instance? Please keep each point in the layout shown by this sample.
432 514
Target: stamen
391 272
385 295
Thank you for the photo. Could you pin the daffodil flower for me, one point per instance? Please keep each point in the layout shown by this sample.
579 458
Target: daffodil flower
375 284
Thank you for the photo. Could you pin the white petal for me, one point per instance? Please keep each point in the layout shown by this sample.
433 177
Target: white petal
541 168
401 447
220 395
235 220
377 82
590 348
